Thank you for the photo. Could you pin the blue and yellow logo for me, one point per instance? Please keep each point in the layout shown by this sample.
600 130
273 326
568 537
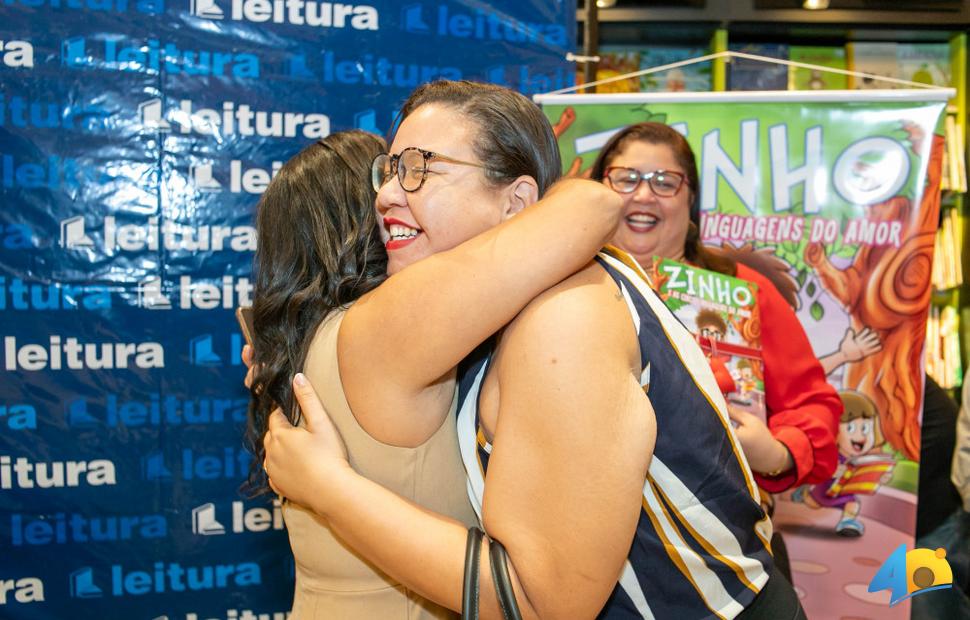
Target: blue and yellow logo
908 573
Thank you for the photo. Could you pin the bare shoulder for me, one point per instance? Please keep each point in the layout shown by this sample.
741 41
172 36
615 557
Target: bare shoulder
590 293
585 314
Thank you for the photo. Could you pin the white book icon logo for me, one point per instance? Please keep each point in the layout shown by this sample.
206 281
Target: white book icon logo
150 294
73 233
150 113
206 9
202 178
204 521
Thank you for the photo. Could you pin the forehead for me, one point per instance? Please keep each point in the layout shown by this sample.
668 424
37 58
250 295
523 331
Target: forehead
646 155
439 128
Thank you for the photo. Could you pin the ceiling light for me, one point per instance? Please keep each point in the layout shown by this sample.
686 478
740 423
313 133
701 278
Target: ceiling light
815 5
605 4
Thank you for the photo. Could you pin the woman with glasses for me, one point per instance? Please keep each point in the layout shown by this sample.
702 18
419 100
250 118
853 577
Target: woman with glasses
595 444
387 347
651 166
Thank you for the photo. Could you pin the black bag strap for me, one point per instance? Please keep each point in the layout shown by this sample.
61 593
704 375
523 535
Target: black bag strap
499 560
469 590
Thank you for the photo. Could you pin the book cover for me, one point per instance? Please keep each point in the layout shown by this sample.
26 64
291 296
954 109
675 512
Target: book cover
722 313
954 162
862 475
878 59
745 74
926 63
689 78
613 63
817 79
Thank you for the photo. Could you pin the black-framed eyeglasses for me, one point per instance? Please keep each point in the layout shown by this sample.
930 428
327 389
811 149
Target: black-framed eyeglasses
410 166
664 183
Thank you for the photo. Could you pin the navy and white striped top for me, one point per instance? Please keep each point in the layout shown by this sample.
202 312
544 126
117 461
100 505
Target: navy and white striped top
702 543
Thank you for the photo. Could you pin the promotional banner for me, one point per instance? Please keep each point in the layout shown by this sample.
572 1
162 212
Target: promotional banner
136 137
840 192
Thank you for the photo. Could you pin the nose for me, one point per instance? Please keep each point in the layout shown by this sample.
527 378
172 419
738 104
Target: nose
643 192
391 195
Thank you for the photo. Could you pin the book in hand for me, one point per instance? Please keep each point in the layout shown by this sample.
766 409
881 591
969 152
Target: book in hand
862 475
722 313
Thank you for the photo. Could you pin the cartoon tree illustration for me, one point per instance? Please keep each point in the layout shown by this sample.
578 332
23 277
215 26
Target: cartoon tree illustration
887 289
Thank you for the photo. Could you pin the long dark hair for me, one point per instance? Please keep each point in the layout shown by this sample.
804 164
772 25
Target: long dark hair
657 133
319 249
514 137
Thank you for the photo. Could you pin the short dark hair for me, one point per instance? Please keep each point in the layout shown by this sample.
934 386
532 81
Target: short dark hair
711 318
318 249
514 137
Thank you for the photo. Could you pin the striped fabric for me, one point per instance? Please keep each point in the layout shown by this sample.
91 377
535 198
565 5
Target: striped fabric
701 548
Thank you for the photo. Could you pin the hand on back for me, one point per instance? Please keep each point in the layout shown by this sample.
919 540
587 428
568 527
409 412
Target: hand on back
301 460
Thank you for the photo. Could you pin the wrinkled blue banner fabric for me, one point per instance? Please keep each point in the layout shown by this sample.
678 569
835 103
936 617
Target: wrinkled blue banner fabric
135 139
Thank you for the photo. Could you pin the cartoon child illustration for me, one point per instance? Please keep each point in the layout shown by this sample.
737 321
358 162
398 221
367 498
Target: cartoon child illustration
862 467
747 382
712 326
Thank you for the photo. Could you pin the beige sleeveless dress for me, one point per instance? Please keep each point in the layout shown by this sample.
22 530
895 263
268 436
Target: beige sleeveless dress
332 582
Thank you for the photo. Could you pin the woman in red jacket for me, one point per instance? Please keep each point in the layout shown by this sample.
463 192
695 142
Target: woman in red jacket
652 166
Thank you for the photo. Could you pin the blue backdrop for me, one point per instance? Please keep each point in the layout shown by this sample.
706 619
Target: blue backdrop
135 139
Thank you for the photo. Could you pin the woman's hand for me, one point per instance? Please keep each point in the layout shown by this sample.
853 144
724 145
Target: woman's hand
301 462
765 454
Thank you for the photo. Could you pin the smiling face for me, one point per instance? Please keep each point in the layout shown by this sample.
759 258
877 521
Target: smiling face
857 436
456 201
652 225
859 424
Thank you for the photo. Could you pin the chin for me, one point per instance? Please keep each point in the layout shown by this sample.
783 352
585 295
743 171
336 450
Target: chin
642 256
642 251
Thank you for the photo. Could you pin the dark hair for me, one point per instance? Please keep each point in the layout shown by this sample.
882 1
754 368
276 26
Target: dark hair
711 318
319 249
768 264
658 133
514 137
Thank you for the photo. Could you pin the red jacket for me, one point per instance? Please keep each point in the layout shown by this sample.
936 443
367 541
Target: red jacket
803 409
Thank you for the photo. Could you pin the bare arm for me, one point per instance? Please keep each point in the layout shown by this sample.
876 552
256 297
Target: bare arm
853 347
423 550
397 343
565 507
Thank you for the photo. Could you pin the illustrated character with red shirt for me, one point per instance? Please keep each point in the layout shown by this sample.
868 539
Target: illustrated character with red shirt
712 327
859 437
747 381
